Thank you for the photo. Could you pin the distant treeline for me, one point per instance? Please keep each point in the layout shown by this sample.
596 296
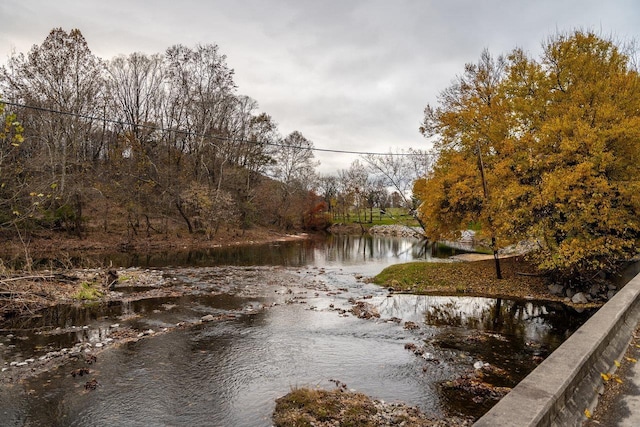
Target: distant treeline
153 141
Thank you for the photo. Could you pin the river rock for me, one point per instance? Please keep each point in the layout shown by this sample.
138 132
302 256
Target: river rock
409 325
556 289
364 310
208 318
579 298
597 291
429 357
395 230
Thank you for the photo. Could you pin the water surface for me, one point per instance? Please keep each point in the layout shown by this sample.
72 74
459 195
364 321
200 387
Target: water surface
285 324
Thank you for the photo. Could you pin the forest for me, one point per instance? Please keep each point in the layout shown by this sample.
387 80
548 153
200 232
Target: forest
148 144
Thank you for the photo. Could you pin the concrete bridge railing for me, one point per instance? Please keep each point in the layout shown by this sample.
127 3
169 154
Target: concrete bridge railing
559 390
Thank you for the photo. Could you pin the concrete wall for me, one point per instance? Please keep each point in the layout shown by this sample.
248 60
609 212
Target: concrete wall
558 391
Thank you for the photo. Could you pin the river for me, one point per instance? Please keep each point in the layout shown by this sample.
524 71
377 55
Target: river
282 321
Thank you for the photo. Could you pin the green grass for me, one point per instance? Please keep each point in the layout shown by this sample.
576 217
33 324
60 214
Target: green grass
478 278
88 292
415 275
391 216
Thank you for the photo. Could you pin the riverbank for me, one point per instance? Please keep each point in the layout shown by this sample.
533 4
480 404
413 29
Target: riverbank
64 245
60 280
473 276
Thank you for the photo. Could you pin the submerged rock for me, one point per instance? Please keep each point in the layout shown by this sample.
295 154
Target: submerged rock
364 310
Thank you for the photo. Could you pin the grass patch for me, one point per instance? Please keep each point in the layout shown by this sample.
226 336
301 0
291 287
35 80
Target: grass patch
473 278
304 407
88 292
391 216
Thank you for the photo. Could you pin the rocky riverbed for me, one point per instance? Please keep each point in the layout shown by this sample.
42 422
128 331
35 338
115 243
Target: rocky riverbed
136 309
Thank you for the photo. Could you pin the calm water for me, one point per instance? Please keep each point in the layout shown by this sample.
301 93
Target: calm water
373 253
284 326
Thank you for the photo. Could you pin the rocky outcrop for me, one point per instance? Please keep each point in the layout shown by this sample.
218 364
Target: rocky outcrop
396 230
594 293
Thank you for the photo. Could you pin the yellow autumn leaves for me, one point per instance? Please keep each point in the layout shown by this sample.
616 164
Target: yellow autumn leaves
607 376
558 141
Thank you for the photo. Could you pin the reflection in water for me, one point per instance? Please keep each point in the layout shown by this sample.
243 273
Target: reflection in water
325 250
329 250
518 322
332 250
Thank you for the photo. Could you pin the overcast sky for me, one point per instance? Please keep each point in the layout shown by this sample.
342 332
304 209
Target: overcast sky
350 75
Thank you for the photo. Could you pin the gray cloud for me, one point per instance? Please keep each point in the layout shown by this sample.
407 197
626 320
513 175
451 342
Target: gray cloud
348 74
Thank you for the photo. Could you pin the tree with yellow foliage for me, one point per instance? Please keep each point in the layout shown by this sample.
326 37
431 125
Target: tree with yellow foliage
10 140
545 150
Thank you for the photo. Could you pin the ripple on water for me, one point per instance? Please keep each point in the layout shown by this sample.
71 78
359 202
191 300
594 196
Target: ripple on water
230 372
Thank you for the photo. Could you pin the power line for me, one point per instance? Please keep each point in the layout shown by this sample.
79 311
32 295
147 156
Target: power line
196 134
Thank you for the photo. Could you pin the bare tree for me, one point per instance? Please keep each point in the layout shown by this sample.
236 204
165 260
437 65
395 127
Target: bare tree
399 171
59 75
136 90
294 167
327 187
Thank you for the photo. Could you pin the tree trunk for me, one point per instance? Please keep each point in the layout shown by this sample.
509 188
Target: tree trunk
78 217
496 258
184 216
486 198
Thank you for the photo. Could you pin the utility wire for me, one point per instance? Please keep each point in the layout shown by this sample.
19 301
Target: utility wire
196 134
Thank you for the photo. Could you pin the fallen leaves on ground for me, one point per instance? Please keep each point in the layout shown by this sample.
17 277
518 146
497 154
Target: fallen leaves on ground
475 278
